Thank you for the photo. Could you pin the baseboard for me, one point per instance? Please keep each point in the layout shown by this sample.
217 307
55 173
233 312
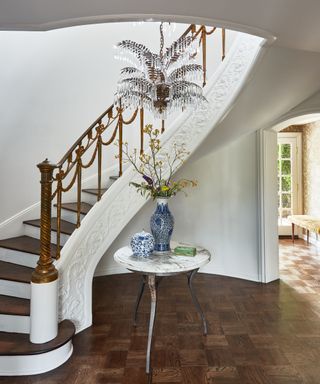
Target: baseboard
235 275
13 226
288 236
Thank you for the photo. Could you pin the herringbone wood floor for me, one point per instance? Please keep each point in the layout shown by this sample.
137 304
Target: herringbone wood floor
258 334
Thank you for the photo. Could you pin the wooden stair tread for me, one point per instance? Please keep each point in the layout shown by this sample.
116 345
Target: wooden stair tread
94 191
12 344
25 244
84 208
65 227
14 306
15 272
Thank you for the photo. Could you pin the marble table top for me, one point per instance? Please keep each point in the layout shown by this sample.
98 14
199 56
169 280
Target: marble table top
162 264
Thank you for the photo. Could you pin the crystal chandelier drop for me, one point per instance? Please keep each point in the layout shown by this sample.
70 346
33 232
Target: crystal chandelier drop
161 83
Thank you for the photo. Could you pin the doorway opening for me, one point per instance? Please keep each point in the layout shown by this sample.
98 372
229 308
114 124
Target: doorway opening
298 167
290 185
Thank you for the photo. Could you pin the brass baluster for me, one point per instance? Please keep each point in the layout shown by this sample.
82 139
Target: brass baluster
204 54
79 173
223 43
59 197
120 127
45 272
99 144
79 153
141 130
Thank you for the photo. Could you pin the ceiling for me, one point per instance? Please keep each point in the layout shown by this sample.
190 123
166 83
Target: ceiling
293 23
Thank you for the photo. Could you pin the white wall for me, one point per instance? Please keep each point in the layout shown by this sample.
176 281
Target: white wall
53 86
220 214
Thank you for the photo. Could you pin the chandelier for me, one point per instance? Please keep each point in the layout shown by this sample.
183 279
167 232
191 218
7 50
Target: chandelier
161 83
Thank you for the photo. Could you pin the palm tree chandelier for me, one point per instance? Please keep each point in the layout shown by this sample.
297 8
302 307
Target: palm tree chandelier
161 83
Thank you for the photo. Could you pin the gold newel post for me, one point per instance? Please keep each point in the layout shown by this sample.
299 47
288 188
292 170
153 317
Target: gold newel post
45 271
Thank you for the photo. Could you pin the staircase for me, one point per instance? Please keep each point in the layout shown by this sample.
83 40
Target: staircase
85 227
18 258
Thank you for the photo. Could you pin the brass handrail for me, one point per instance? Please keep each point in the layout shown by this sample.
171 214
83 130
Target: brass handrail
73 147
74 158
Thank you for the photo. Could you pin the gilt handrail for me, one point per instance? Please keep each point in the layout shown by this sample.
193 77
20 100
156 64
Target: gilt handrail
76 143
74 159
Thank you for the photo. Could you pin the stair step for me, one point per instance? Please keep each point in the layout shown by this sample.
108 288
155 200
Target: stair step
73 207
65 227
14 306
15 272
25 244
94 191
15 344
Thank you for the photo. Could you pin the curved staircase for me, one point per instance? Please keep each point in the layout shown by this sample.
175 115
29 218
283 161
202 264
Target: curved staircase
103 212
18 258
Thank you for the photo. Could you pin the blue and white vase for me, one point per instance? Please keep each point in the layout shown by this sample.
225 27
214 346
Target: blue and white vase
142 244
161 224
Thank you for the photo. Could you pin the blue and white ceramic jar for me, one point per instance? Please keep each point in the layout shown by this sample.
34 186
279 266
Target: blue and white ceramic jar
142 244
161 224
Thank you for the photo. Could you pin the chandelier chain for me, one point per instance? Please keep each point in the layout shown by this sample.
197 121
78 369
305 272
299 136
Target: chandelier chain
161 40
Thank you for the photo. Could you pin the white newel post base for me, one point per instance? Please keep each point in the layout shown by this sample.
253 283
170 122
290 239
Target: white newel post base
44 312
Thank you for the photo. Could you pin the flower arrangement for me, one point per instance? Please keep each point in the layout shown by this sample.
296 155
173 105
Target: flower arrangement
152 167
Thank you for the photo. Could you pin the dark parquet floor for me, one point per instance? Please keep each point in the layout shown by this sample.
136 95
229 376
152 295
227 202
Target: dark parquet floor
258 334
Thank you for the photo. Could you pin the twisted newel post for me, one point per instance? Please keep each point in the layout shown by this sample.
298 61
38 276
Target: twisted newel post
44 281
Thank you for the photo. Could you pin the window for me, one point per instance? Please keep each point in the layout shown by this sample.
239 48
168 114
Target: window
289 175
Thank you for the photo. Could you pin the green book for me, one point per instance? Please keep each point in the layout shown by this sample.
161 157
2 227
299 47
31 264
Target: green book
185 251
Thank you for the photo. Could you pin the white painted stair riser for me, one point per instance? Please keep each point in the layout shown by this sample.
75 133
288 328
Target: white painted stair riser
14 323
15 289
17 257
35 233
23 365
89 198
70 216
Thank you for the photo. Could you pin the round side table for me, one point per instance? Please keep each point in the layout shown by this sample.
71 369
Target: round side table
152 269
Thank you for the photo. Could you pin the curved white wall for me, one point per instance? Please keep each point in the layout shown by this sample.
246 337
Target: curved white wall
220 214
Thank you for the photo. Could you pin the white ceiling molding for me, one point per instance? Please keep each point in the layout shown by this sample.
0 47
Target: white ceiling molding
294 23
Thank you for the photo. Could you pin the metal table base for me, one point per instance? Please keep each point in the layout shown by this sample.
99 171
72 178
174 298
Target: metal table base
153 283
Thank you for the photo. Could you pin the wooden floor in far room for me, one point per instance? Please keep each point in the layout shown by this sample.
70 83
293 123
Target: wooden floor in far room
258 334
